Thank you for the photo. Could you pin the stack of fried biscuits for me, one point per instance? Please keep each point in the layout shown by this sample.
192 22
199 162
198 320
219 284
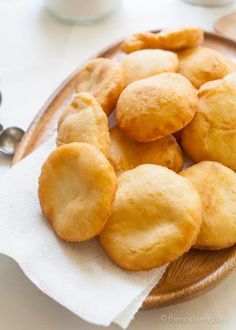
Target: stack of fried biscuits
126 184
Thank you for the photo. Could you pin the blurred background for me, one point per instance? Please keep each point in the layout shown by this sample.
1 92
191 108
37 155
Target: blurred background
38 51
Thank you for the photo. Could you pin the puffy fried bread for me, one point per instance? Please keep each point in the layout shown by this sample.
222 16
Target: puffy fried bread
102 78
216 185
77 187
169 39
155 219
148 62
152 108
211 135
203 64
84 121
126 154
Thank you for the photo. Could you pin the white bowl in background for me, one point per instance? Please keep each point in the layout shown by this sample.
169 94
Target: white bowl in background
210 2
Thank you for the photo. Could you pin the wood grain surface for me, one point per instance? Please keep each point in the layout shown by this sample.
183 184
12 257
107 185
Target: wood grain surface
226 26
196 271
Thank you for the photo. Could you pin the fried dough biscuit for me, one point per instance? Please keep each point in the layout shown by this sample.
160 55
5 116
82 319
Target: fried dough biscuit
126 154
152 108
77 187
148 62
216 185
103 79
84 121
211 135
203 64
169 39
155 219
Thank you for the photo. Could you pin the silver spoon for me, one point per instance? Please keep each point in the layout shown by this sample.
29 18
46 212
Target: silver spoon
9 138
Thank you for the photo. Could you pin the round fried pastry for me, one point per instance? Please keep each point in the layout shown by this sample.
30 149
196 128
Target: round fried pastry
126 154
216 185
103 79
169 39
77 187
84 121
211 135
152 108
149 62
155 219
203 64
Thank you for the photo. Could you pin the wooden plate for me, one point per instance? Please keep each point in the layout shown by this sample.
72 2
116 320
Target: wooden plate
196 271
226 26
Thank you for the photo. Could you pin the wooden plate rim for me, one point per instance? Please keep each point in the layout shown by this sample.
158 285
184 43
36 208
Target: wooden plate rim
157 300
219 22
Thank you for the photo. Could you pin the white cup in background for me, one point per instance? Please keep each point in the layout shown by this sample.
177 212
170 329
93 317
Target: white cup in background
81 11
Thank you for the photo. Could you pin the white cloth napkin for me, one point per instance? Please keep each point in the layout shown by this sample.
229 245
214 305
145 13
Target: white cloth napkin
77 275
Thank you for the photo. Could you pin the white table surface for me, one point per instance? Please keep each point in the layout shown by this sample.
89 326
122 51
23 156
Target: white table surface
37 53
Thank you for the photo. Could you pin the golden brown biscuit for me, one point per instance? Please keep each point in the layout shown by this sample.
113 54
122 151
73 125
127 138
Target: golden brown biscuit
84 121
102 78
216 185
170 39
152 108
126 154
148 62
77 187
211 135
203 64
155 219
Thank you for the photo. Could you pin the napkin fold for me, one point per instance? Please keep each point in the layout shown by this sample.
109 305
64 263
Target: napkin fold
77 275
